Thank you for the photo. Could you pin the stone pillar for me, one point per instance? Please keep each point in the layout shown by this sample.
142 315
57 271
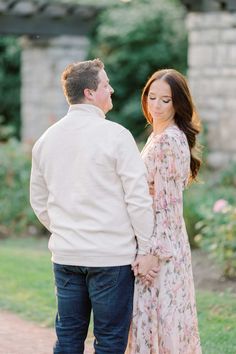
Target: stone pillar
212 77
42 99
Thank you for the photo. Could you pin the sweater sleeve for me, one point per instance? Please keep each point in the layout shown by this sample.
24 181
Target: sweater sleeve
133 175
168 198
39 193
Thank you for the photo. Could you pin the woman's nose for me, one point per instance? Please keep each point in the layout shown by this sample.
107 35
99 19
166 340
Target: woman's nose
157 103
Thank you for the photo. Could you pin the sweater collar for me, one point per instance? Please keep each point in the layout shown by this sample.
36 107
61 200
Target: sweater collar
87 108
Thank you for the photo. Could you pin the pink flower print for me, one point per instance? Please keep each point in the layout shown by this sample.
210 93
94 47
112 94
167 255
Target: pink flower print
172 167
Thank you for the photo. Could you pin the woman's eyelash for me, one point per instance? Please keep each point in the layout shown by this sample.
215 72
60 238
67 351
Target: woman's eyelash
165 101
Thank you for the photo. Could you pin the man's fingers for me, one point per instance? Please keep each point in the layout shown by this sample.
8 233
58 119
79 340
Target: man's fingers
134 267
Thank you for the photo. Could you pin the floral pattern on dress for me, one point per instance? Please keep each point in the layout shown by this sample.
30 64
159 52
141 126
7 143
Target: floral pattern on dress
164 314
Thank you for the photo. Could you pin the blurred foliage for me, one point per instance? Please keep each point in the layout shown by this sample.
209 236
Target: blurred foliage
217 235
6 131
9 86
16 213
135 39
98 3
200 198
228 176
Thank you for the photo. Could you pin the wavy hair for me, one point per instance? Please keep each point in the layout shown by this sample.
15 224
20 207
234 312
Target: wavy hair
185 117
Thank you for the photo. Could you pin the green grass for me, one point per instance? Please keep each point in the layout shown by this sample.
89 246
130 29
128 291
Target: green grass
27 288
26 278
217 322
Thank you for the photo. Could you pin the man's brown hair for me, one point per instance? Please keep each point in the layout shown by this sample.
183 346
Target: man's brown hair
78 76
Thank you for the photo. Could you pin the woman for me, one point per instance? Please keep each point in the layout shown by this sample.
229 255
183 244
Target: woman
164 318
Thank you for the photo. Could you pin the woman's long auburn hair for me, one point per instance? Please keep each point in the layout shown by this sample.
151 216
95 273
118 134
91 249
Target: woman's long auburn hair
185 116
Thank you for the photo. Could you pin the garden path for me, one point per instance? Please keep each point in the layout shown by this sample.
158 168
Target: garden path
18 336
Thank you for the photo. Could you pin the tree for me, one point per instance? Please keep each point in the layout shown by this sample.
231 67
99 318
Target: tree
134 39
9 87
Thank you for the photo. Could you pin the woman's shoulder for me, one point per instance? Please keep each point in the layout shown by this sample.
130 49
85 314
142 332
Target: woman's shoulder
171 141
176 134
170 135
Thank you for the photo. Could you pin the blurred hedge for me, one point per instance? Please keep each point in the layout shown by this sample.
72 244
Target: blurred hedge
10 83
16 215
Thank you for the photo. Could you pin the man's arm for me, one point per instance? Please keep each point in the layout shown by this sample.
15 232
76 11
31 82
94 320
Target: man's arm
132 172
39 194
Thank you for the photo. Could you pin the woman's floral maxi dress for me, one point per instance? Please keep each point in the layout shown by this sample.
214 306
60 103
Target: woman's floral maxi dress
164 317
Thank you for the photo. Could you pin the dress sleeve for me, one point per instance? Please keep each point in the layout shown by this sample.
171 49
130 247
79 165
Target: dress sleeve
168 197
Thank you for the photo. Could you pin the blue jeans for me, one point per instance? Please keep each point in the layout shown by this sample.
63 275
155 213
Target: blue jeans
108 291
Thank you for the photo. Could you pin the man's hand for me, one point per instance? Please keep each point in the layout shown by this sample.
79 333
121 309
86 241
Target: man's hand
135 264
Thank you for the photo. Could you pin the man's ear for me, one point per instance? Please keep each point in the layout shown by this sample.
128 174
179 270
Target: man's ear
88 94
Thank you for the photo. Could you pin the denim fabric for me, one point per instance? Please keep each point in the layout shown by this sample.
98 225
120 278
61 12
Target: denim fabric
108 292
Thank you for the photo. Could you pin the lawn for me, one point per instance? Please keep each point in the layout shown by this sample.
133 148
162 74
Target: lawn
27 288
26 279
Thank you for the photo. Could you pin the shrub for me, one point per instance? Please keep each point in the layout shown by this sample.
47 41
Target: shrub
227 177
10 83
210 215
200 197
16 213
7 131
218 235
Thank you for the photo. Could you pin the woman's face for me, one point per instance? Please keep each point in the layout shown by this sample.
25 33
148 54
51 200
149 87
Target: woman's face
159 101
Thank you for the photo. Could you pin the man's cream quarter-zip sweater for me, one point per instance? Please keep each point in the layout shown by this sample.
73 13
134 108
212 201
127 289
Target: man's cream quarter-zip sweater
89 188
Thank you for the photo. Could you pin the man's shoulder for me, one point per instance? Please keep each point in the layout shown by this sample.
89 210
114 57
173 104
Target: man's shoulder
38 143
116 128
114 125
47 133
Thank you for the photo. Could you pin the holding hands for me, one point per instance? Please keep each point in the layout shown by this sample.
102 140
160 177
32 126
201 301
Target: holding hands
146 267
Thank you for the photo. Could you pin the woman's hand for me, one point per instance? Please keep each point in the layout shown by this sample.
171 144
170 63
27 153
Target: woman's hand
151 275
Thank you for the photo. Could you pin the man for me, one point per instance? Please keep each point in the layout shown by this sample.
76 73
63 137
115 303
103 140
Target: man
89 189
